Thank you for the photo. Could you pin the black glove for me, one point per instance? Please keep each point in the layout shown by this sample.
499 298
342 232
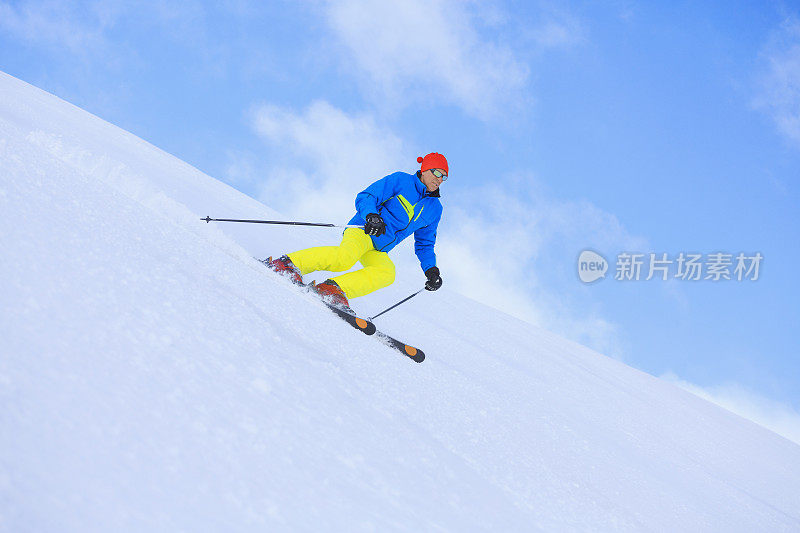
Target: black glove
375 225
434 279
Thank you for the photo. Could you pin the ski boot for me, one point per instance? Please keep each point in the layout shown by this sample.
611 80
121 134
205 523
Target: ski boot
332 294
284 266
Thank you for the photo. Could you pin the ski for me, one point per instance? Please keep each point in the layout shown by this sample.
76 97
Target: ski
361 324
367 327
409 351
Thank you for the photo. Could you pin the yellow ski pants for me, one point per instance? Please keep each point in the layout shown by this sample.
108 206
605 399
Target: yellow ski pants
378 271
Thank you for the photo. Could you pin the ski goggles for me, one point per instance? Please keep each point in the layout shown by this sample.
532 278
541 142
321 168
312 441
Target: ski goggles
439 174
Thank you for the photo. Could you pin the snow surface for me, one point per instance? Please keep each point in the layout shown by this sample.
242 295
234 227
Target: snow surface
154 376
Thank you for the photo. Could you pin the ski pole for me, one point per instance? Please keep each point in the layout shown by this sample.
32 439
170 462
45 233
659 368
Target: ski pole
316 224
398 303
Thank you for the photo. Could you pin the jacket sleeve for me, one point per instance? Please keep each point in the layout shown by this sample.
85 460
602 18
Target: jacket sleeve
368 200
424 239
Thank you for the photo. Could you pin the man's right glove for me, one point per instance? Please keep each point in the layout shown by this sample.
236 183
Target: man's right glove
434 279
375 225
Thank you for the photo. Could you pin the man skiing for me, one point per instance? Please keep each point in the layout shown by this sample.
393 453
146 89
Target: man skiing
390 210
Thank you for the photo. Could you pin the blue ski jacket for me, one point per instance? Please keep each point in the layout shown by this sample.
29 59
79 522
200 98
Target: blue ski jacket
407 207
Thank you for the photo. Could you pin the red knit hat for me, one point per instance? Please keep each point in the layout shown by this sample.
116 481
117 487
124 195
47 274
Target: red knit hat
433 160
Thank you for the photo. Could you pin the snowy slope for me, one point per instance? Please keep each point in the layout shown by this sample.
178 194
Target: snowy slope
153 376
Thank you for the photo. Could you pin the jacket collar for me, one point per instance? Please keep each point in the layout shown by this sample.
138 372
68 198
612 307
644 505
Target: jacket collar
423 190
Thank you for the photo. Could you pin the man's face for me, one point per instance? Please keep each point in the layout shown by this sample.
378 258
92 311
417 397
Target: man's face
430 180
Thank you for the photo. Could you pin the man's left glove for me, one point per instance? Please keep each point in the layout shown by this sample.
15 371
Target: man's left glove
375 225
434 279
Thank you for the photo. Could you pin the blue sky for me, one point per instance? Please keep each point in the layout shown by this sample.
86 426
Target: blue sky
649 127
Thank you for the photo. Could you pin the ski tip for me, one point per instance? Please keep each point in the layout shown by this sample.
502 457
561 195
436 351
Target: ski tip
414 353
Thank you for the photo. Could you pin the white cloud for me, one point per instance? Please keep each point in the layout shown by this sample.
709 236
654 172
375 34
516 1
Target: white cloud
495 242
57 24
322 157
773 415
86 28
557 28
779 94
516 247
554 34
429 51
